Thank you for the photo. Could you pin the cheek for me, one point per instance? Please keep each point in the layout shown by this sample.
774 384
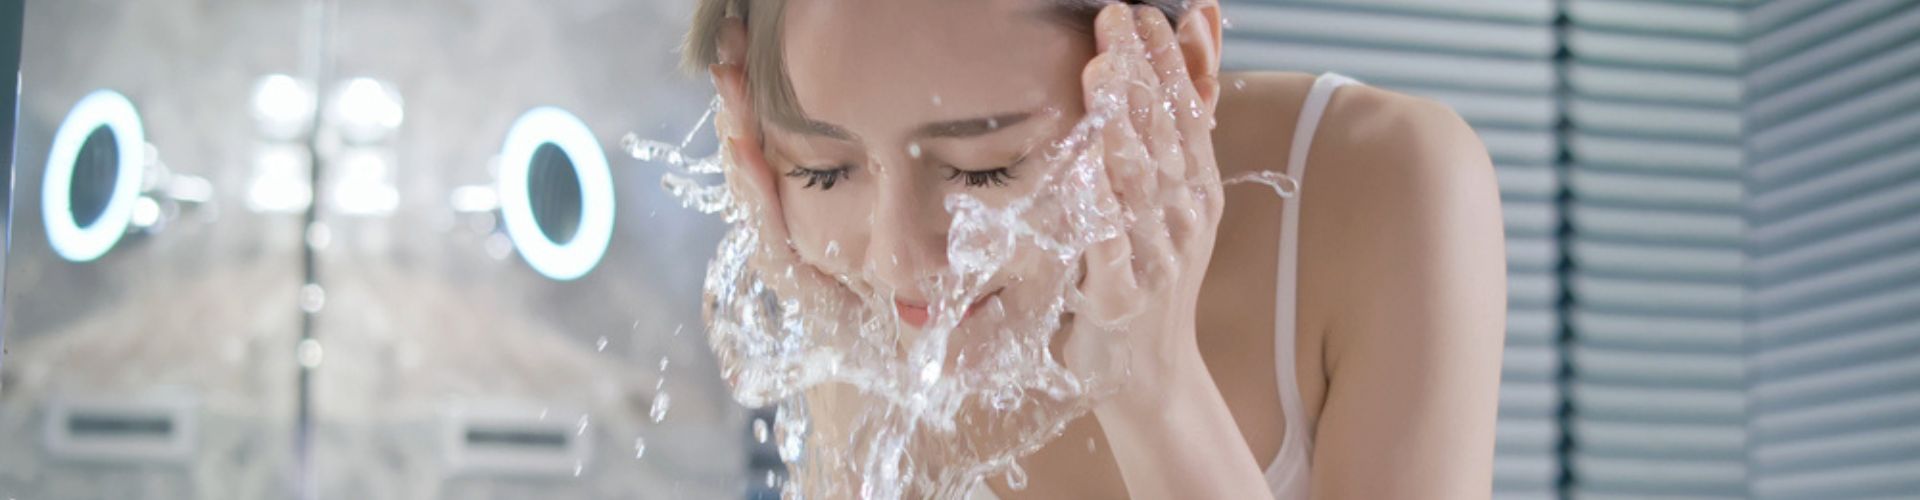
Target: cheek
823 233
1032 279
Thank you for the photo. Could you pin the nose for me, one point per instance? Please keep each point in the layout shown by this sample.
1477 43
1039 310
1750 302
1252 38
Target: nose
907 246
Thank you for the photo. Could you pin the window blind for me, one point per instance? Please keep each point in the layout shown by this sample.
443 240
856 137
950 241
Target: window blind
1834 176
1657 404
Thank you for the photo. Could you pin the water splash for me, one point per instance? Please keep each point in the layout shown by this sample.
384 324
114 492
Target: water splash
1282 184
866 407
662 401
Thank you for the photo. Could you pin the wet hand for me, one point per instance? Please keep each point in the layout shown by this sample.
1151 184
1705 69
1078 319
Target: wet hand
753 185
1139 292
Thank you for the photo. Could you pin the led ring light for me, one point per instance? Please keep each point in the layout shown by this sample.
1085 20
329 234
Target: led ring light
74 242
577 255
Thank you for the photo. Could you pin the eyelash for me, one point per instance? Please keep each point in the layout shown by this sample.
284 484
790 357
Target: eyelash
824 178
981 178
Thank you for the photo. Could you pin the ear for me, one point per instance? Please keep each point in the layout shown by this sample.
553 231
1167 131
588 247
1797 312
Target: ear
1199 37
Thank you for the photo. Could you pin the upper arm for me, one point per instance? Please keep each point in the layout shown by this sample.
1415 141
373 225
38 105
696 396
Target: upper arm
1412 350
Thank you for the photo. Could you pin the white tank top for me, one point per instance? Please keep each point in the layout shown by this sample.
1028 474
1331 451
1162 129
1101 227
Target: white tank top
1287 476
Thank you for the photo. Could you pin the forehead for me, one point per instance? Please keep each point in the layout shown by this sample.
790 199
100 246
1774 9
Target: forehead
869 63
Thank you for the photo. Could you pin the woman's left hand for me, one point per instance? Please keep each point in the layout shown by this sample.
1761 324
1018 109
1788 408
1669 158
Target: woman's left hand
1141 289
1169 428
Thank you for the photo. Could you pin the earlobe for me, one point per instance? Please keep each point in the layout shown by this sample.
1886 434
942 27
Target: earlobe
1199 36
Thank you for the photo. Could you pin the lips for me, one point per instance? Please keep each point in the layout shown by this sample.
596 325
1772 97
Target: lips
917 313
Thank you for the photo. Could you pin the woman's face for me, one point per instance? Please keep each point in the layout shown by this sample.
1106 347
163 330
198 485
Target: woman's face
906 103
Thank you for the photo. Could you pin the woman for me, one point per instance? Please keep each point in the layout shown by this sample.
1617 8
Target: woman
1343 342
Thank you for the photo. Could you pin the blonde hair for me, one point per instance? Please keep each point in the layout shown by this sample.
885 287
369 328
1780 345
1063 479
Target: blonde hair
767 82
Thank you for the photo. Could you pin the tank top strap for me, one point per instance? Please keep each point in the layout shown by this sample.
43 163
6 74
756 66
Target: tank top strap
1288 473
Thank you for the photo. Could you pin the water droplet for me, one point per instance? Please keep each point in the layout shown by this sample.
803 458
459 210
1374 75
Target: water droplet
580 427
833 249
1282 185
1090 446
661 401
772 479
760 430
578 467
663 363
936 99
600 345
930 373
1239 83
650 150
639 447
993 124
789 432
913 150
1016 477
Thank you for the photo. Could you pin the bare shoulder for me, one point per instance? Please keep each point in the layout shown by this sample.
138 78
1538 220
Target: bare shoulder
1379 131
1400 205
1402 262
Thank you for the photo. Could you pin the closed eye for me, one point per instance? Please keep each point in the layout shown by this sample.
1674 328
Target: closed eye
981 178
824 178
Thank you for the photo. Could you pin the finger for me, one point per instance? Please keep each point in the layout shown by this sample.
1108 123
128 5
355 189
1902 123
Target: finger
1163 49
1186 218
1137 186
754 180
1107 281
1121 151
1129 167
1138 85
1112 26
1168 69
1192 118
1155 258
755 188
1153 105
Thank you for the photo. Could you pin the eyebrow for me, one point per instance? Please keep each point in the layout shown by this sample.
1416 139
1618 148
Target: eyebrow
972 127
808 126
955 129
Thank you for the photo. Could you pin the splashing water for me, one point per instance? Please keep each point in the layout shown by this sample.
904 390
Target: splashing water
1282 184
662 401
865 407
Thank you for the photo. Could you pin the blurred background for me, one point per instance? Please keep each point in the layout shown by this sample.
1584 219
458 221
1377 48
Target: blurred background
394 248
